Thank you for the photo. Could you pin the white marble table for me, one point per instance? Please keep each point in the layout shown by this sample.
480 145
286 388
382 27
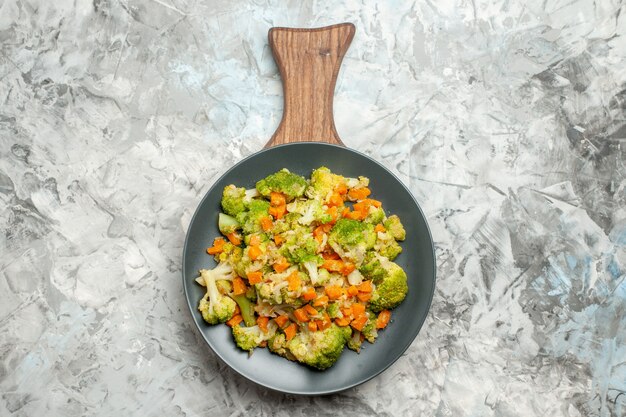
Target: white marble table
506 119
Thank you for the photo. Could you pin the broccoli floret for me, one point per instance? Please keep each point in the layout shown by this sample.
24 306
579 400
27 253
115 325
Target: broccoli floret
278 345
351 239
250 220
375 215
369 330
299 246
371 267
215 307
283 181
387 246
319 349
333 310
323 183
286 223
391 251
233 199
394 227
227 224
311 211
247 338
355 342
391 289
230 254
292 297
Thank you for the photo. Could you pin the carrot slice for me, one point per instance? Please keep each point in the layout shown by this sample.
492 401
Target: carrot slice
359 322
254 277
237 310
371 202
358 309
356 215
235 320
312 326
277 199
379 228
330 255
348 267
342 322
266 223
310 310
309 294
239 287
333 292
365 286
364 296
322 300
352 290
333 265
335 200
218 246
281 320
359 193
345 212
281 265
262 321
278 212
294 281
278 239
333 214
341 189
346 311
301 315
290 331
234 238
360 206
383 319
254 252
213 250
255 240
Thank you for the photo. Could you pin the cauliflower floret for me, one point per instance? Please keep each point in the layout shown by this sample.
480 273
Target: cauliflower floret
310 210
215 307
360 182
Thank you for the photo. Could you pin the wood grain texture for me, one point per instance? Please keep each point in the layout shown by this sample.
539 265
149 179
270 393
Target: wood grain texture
309 61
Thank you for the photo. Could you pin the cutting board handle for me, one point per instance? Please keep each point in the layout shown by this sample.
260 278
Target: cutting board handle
308 61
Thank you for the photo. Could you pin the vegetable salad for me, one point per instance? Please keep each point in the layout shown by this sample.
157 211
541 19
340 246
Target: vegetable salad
305 266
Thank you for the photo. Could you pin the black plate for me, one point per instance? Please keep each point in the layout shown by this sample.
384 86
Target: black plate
417 259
